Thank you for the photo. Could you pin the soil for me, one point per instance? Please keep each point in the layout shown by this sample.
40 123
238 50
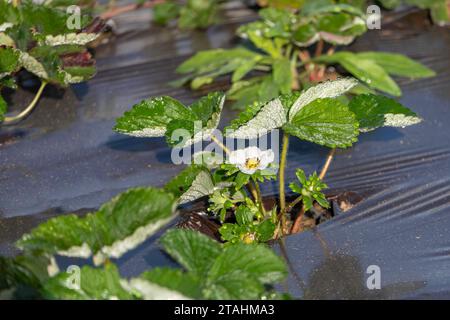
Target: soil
197 218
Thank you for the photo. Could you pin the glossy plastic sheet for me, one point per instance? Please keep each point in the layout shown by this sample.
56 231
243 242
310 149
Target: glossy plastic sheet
66 158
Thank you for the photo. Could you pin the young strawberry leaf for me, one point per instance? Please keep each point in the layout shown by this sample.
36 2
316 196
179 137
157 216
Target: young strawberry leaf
310 190
326 122
374 111
117 227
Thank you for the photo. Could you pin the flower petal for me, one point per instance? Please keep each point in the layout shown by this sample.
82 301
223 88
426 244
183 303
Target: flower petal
266 158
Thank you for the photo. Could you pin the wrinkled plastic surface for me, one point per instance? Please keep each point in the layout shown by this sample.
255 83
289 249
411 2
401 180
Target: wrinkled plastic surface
66 158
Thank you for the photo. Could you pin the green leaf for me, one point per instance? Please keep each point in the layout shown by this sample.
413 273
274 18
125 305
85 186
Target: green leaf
329 89
193 250
181 125
9 61
70 38
440 12
326 122
310 190
119 226
192 183
264 44
340 28
305 35
244 68
164 12
244 215
234 285
246 93
3 108
241 180
78 74
175 279
206 113
240 272
258 120
398 64
257 260
198 14
46 20
365 70
210 60
150 117
374 111
282 74
94 284
183 181
390 4
21 277
266 230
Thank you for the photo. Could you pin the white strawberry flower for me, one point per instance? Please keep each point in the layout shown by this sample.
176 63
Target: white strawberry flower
251 159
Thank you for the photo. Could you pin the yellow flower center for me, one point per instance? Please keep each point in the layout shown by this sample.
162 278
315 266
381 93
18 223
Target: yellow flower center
248 238
252 163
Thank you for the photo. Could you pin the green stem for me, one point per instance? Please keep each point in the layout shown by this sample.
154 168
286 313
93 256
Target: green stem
252 191
295 85
258 194
282 181
294 203
28 109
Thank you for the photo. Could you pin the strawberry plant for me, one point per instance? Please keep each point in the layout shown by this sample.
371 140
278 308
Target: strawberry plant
37 38
276 57
318 114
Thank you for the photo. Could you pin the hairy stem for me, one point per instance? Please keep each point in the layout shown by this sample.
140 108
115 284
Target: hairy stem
252 191
281 180
319 48
293 203
327 163
296 226
220 144
258 194
295 85
28 109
